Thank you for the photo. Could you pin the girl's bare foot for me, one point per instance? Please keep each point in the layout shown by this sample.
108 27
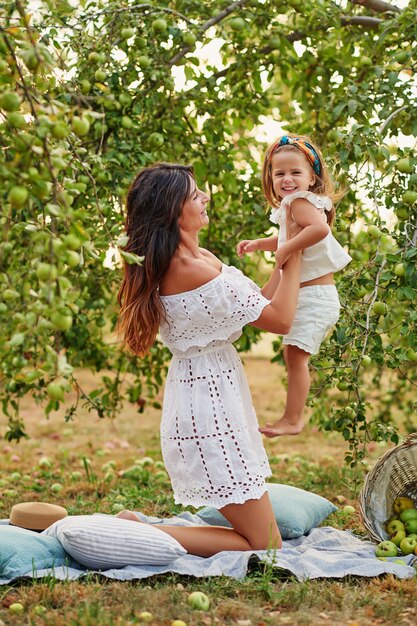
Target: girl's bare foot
128 515
282 427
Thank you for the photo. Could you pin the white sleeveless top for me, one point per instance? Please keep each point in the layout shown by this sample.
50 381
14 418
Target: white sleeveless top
323 257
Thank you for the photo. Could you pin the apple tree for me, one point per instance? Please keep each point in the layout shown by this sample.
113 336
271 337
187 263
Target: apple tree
91 91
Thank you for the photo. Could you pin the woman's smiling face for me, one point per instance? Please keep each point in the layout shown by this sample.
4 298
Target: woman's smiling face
290 172
194 212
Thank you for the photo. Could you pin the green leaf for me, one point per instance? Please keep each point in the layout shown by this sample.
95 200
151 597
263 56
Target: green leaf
131 258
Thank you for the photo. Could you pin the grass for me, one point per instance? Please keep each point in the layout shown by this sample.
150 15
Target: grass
87 459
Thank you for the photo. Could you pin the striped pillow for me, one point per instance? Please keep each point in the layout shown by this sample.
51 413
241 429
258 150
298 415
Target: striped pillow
103 542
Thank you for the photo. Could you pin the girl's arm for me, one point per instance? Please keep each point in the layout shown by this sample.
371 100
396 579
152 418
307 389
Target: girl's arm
264 244
314 229
278 316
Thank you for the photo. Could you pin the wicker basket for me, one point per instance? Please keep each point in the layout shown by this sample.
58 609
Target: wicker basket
393 475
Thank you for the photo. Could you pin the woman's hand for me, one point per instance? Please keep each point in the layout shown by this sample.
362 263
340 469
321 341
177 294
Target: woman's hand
281 255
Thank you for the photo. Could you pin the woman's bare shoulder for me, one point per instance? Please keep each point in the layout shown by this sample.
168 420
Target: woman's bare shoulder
210 256
186 274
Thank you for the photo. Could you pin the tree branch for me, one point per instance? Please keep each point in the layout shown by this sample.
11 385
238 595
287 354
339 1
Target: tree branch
213 20
377 5
362 20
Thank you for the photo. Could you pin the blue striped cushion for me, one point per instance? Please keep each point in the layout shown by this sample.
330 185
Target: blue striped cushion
103 542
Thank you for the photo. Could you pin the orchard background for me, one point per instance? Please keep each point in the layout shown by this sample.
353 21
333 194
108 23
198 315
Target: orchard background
91 91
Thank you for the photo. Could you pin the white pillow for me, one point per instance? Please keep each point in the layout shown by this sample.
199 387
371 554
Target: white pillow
105 541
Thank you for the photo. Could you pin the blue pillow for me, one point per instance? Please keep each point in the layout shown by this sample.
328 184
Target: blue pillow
22 551
296 511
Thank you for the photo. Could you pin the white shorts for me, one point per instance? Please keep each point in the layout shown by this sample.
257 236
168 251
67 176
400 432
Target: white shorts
317 312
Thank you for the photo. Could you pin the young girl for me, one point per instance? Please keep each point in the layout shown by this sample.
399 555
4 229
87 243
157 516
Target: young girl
210 439
297 185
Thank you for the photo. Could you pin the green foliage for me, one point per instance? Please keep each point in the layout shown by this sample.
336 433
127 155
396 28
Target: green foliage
89 94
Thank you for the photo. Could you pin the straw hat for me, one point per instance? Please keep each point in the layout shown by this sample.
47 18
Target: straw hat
36 515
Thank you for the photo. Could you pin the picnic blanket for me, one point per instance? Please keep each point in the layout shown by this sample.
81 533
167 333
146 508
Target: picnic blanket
324 552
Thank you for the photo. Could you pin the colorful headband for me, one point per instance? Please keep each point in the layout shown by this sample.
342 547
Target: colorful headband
305 147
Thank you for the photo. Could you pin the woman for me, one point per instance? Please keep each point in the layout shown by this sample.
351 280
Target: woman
210 440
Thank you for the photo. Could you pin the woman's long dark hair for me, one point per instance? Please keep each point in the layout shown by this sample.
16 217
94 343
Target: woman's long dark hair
154 204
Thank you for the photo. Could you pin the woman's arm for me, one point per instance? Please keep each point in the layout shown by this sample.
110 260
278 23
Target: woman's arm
271 286
278 316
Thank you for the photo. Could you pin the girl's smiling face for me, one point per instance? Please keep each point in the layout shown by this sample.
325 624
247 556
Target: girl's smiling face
290 172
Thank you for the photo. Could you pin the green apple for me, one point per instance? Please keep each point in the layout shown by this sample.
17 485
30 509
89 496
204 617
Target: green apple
55 391
145 616
72 258
386 548
189 39
71 241
342 385
366 360
412 355
59 130
159 25
94 57
399 269
85 86
16 120
199 601
46 271
39 609
100 75
408 546
76 475
117 507
401 503
404 166
237 24
178 622
379 308
349 509
408 514
17 195
144 61
394 525
80 126
61 321
9 101
411 526
16 608
409 197
374 232
56 487
126 122
401 212
127 33
156 140
397 537
45 462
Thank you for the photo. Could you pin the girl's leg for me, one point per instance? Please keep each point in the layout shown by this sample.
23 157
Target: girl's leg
254 528
291 423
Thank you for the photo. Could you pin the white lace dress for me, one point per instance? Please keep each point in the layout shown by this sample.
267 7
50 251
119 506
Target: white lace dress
211 445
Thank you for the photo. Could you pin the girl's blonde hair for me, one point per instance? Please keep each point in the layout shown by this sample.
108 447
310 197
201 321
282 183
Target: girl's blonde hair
323 183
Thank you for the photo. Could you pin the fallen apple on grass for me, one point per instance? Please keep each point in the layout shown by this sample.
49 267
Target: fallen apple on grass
199 601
